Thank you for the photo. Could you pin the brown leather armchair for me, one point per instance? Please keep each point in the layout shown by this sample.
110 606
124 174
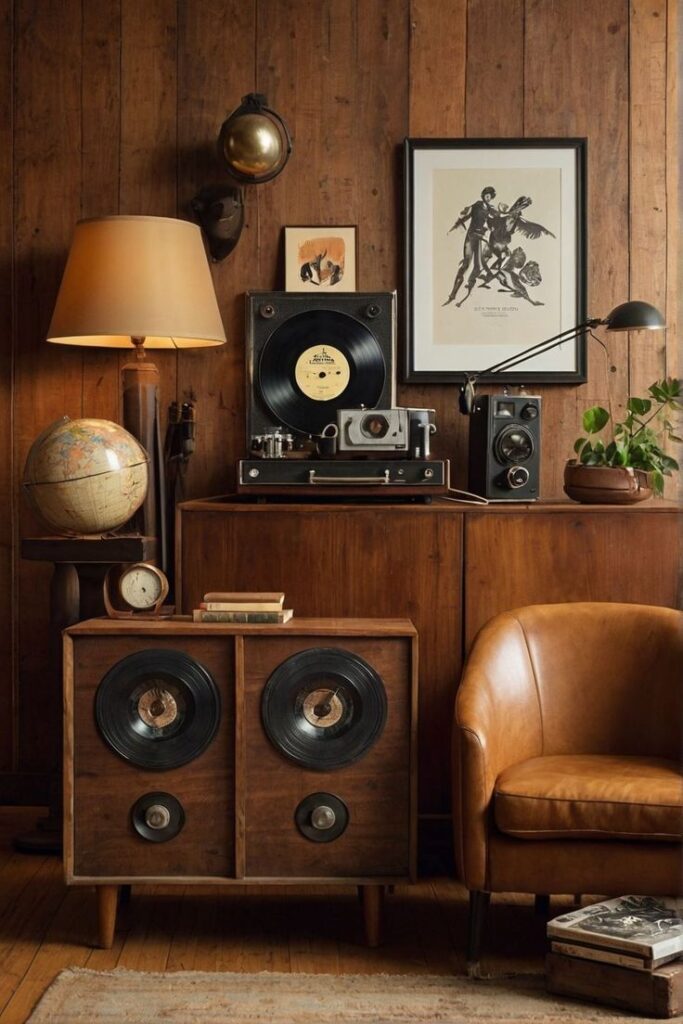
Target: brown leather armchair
567 755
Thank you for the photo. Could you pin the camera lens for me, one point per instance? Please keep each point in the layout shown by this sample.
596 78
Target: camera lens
374 426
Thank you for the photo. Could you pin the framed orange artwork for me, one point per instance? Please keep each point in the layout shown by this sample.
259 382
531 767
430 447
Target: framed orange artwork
320 258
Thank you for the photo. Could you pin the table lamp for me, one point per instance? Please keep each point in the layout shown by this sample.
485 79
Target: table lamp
629 316
141 282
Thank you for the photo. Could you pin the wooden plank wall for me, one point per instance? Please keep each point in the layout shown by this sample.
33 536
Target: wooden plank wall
115 107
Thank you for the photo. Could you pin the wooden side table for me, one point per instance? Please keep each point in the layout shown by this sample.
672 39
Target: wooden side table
80 565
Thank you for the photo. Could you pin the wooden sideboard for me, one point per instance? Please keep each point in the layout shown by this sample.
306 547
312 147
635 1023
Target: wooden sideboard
449 567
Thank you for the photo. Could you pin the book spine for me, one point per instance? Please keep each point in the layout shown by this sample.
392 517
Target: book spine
263 617
247 595
241 606
604 956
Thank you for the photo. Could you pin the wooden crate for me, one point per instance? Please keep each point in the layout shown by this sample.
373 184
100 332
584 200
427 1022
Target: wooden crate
653 993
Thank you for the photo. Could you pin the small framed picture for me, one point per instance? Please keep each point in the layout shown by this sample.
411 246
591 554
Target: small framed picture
495 257
320 258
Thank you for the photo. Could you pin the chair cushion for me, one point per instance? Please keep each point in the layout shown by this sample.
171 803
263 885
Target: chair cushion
586 796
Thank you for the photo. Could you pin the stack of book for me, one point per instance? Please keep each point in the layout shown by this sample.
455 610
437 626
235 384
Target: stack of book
219 606
625 952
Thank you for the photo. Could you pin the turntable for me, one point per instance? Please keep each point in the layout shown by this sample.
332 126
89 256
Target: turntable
316 367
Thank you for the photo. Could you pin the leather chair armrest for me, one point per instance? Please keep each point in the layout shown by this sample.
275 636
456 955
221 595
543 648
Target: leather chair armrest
497 724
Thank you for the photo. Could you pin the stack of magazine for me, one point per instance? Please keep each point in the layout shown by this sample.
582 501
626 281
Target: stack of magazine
637 932
239 606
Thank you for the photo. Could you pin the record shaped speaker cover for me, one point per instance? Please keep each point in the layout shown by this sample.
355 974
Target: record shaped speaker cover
157 709
157 817
309 355
324 708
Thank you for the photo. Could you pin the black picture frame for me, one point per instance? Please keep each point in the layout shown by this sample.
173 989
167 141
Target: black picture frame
423 350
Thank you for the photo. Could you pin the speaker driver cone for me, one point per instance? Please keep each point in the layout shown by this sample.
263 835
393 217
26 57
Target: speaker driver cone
157 817
321 817
324 708
157 709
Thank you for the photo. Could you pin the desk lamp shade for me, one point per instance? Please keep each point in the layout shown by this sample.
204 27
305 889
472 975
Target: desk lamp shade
140 282
634 316
137 277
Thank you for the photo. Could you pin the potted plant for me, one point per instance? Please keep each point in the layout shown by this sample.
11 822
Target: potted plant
631 465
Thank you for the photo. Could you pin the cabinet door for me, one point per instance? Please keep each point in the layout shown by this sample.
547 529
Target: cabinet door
572 554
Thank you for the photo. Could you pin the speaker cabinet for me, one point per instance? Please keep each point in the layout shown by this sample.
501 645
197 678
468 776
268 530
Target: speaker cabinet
202 752
505 447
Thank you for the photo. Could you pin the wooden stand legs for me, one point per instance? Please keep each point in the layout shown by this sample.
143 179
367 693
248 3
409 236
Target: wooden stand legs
372 899
107 902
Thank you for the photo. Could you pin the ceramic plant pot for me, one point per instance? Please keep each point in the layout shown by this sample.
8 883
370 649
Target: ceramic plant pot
606 485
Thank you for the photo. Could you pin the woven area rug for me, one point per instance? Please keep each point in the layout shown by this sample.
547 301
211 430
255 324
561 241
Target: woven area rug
78 996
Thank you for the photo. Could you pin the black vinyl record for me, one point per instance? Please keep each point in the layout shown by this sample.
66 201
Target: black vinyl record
157 709
316 362
323 708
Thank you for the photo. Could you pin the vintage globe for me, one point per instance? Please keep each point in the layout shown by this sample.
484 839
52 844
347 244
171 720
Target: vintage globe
86 476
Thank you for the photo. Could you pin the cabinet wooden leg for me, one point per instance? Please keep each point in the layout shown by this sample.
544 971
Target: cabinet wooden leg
372 898
107 901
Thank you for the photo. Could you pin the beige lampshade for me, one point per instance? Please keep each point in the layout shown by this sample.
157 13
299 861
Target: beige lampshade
142 277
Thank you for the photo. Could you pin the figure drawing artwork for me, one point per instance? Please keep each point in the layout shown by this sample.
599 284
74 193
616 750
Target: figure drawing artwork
494 254
320 259
487 258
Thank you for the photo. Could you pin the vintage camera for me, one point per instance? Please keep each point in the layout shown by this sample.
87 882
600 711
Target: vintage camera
505 447
383 430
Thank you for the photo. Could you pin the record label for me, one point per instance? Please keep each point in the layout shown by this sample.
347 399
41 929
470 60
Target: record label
322 373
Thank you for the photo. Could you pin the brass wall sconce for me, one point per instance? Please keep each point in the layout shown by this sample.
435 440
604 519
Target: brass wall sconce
254 145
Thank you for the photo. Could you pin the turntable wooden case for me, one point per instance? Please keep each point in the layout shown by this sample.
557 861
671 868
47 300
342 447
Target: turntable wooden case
240 794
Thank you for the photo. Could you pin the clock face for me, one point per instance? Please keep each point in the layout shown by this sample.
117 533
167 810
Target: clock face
140 587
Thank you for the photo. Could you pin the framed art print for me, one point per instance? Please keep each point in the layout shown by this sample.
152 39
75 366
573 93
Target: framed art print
495 256
320 259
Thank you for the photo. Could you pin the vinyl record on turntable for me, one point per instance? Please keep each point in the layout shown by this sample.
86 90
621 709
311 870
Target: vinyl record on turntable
311 355
157 709
323 708
317 362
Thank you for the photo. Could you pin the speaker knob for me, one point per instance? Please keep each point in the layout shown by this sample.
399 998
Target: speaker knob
157 816
517 476
323 817
530 412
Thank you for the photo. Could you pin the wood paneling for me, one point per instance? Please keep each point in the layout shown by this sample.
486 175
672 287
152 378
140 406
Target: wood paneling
47 378
8 517
115 107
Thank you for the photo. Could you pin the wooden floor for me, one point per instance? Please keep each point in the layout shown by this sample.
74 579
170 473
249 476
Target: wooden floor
45 927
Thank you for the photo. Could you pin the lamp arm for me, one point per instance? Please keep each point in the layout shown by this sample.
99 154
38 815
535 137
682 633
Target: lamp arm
539 348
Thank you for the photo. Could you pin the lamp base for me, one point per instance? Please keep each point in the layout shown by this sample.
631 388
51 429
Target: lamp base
140 384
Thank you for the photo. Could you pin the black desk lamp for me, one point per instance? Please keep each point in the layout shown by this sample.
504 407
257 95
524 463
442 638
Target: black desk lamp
629 316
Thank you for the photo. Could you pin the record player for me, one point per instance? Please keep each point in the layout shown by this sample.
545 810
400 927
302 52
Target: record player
321 412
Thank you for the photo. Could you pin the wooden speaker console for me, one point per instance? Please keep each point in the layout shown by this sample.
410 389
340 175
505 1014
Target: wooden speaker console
207 753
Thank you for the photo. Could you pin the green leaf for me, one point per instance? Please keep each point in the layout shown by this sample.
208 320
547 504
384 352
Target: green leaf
668 464
639 406
595 419
579 443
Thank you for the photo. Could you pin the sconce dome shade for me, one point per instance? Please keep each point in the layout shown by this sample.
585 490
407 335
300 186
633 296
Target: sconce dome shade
254 142
137 277
634 316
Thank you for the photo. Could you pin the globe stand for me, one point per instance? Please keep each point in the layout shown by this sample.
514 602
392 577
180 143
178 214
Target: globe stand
80 565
